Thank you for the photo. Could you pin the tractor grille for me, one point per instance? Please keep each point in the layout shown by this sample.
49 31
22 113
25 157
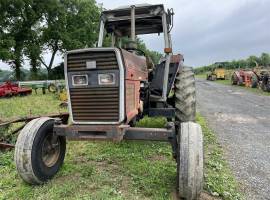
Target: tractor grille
93 103
104 60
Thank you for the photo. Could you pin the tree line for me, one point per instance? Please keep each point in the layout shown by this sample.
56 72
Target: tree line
250 62
33 29
29 29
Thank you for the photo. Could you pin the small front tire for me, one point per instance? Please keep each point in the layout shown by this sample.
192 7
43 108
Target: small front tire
39 154
190 161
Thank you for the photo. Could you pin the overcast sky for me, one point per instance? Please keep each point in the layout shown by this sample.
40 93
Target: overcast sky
206 31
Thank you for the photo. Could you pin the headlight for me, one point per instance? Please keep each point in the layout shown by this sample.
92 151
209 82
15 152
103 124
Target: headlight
106 79
78 80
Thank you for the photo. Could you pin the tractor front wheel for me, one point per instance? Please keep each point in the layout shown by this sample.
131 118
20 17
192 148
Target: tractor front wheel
190 161
39 153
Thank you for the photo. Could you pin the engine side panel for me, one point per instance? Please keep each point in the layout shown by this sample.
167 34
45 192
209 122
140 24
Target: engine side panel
136 71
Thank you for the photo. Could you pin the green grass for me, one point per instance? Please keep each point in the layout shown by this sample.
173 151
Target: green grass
219 180
106 170
202 76
35 104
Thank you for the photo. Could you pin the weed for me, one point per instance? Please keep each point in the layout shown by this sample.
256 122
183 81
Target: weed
219 180
107 170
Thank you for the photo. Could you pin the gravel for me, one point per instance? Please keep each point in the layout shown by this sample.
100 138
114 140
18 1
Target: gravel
241 120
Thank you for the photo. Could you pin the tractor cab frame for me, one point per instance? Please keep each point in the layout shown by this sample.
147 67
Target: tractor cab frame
130 21
109 89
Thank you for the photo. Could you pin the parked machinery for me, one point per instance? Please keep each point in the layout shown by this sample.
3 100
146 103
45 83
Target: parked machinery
248 78
264 79
109 88
218 72
9 89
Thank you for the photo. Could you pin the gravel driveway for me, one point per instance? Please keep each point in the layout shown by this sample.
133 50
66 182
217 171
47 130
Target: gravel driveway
241 120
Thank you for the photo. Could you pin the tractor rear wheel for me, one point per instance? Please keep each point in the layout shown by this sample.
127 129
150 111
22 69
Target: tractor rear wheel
254 82
240 81
214 78
190 161
265 85
234 80
185 97
39 154
52 88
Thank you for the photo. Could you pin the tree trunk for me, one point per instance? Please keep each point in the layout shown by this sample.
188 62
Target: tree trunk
49 70
34 67
49 67
17 60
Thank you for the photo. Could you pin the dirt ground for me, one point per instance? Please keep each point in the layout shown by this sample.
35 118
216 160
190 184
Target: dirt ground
241 120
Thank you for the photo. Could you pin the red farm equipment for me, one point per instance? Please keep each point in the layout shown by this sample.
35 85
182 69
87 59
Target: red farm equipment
248 78
265 80
109 89
9 89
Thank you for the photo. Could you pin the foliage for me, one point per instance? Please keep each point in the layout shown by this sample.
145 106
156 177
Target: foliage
17 24
58 72
250 62
153 122
219 180
70 24
5 75
32 27
154 55
106 170
92 170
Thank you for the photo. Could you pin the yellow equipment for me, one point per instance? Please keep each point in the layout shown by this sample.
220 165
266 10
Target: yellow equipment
63 95
217 73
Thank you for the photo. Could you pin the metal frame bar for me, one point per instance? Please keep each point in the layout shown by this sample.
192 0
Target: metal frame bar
168 58
121 84
101 33
114 132
152 134
132 16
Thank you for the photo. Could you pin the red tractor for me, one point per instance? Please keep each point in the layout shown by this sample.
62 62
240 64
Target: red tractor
248 78
9 89
110 88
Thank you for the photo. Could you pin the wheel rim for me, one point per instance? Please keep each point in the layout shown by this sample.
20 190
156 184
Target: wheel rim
50 150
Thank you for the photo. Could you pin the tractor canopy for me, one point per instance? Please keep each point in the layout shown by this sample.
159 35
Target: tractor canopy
148 19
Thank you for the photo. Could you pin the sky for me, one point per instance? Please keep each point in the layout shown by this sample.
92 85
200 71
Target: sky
207 31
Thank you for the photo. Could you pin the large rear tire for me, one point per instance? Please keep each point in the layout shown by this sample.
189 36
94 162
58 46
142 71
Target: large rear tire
234 80
240 81
185 96
254 82
190 161
39 154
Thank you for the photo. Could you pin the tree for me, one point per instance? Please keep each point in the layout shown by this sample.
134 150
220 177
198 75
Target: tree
154 55
32 27
70 24
18 17
253 61
265 59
